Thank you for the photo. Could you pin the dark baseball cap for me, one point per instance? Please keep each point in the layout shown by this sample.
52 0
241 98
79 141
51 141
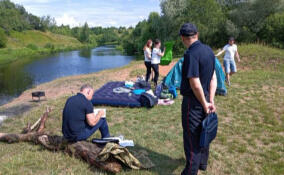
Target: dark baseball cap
188 29
231 39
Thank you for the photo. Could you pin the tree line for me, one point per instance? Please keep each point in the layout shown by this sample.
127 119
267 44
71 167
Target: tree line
92 35
217 20
246 20
14 17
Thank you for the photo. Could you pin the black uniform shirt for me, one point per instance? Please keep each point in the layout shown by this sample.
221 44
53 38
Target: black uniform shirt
199 61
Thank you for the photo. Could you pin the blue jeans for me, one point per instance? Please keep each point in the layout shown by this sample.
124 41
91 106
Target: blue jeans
88 131
230 66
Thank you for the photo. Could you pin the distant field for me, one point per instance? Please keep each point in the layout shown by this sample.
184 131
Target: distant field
32 43
250 138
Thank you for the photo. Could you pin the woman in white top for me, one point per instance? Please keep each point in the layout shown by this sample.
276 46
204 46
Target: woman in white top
156 59
231 50
147 56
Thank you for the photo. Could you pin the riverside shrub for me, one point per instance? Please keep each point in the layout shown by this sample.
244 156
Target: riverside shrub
3 38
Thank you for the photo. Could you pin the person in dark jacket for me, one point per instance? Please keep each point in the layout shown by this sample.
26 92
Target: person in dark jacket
198 88
79 120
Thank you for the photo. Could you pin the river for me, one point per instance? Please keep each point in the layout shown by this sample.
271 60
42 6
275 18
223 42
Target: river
25 73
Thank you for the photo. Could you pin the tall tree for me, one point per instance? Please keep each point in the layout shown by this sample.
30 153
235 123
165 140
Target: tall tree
46 22
3 38
85 33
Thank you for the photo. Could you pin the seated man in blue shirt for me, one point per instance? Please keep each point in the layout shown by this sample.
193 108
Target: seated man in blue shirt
79 120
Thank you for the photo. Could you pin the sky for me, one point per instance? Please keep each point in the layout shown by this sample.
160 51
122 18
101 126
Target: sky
103 13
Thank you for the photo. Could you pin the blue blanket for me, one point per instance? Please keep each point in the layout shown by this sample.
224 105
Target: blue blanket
106 96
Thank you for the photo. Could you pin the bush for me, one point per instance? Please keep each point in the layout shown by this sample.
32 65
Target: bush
32 46
272 31
49 46
3 38
119 48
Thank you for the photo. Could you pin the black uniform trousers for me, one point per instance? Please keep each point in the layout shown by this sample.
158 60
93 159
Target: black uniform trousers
192 117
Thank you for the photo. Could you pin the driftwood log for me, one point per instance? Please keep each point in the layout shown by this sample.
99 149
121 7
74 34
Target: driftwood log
82 150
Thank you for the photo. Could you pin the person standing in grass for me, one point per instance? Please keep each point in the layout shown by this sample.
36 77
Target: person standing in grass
147 56
231 50
156 59
198 89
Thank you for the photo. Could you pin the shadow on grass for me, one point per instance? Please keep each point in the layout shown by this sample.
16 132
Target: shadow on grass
13 111
163 164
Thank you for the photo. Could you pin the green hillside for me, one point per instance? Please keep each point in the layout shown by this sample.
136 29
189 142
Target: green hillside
41 39
35 43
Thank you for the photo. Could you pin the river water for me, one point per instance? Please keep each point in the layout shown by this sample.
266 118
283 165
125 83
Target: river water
25 73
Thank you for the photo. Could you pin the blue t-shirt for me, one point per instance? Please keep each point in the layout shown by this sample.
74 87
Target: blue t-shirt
74 116
199 61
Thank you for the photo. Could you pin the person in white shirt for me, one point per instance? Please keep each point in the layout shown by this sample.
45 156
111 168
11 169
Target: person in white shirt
156 59
147 56
231 50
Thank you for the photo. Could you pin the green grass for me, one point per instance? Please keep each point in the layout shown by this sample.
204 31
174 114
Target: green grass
250 138
137 72
35 43
22 39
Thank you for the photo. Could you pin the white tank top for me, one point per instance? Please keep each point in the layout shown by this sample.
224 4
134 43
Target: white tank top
147 52
156 59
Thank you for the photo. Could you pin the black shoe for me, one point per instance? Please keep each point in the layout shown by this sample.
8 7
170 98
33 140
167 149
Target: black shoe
202 167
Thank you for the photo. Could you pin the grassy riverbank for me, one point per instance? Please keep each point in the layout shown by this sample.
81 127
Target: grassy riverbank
34 43
250 137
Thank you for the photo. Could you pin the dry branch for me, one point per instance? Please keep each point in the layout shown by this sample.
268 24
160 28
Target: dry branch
82 150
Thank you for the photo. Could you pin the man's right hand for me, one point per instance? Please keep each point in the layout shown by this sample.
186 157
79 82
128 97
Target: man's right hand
209 108
101 113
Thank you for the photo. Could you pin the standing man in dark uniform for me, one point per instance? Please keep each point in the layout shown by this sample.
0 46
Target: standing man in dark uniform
198 88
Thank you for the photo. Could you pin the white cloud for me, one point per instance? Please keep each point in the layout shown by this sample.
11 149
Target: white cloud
66 20
96 12
33 1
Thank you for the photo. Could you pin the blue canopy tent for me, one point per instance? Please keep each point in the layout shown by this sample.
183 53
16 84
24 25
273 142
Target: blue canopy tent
174 77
